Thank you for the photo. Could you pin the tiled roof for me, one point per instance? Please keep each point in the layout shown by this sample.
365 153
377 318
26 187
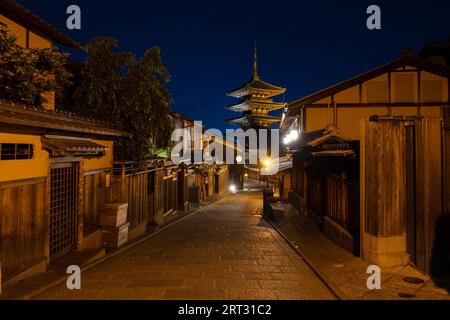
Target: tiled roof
16 11
60 146
20 115
255 85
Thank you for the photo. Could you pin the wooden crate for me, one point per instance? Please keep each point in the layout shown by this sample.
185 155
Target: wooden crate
113 238
113 215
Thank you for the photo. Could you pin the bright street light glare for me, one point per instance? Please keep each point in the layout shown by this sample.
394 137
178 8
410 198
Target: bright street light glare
294 135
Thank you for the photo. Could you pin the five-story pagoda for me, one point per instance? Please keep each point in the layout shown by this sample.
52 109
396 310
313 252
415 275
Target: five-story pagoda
255 102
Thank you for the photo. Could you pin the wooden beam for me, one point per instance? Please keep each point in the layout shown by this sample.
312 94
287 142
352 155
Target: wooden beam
419 93
389 108
381 105
20 183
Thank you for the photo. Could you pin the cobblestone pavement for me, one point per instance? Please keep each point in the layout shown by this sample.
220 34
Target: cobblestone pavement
225 251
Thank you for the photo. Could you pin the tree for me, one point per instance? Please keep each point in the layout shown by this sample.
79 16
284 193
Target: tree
103 73
27 73
129 93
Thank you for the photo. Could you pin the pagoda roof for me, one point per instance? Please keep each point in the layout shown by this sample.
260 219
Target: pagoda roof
249 119
256 85
247 105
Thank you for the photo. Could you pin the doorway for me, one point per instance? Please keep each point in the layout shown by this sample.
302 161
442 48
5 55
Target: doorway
63 208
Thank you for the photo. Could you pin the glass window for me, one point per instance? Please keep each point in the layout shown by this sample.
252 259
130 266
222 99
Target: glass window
13 151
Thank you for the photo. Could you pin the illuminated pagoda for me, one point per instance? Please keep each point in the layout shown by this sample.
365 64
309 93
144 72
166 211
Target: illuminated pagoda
255 102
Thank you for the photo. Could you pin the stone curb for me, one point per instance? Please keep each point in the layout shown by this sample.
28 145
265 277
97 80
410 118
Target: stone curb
329 284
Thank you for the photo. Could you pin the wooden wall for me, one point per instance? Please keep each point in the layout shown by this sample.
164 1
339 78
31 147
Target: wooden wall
429 181
403 190
170 191
151 194
221 180
23 225
384 178
132 189
183 187
96 192
342 203
446 144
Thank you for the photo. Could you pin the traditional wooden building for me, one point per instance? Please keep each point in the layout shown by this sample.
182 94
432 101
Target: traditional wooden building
55 172
55 168
371 165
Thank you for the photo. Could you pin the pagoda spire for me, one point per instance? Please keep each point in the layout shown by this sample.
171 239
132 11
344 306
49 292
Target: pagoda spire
255 101
255 63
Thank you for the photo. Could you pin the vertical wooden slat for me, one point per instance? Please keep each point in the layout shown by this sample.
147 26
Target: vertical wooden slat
21 226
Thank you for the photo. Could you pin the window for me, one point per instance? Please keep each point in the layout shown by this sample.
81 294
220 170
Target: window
404 88
377 91
14 151
432 91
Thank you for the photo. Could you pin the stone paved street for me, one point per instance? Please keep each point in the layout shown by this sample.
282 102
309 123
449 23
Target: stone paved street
225 251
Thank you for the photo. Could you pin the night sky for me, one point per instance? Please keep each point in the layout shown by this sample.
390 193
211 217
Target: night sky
207 45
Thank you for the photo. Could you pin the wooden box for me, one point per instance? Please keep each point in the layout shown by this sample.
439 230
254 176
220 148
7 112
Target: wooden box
113 215
113 238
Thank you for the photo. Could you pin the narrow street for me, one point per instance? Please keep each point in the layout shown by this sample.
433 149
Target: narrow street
225 251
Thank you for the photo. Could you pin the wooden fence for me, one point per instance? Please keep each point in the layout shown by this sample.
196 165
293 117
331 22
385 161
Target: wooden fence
170 190
221 177
23 225
341 201
153 192
315 196
96 192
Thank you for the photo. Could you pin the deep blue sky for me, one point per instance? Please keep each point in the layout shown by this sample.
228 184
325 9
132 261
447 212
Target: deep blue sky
207 45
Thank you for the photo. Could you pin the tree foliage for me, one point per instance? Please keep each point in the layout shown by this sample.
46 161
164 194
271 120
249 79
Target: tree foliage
27 73
129 93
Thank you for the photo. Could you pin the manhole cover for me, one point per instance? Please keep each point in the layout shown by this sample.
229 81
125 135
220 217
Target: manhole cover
406 295
414 280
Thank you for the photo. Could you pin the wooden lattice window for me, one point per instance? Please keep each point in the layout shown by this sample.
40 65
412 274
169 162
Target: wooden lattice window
16 151
63 209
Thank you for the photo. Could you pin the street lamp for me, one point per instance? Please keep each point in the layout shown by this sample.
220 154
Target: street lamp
292 136
267 163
